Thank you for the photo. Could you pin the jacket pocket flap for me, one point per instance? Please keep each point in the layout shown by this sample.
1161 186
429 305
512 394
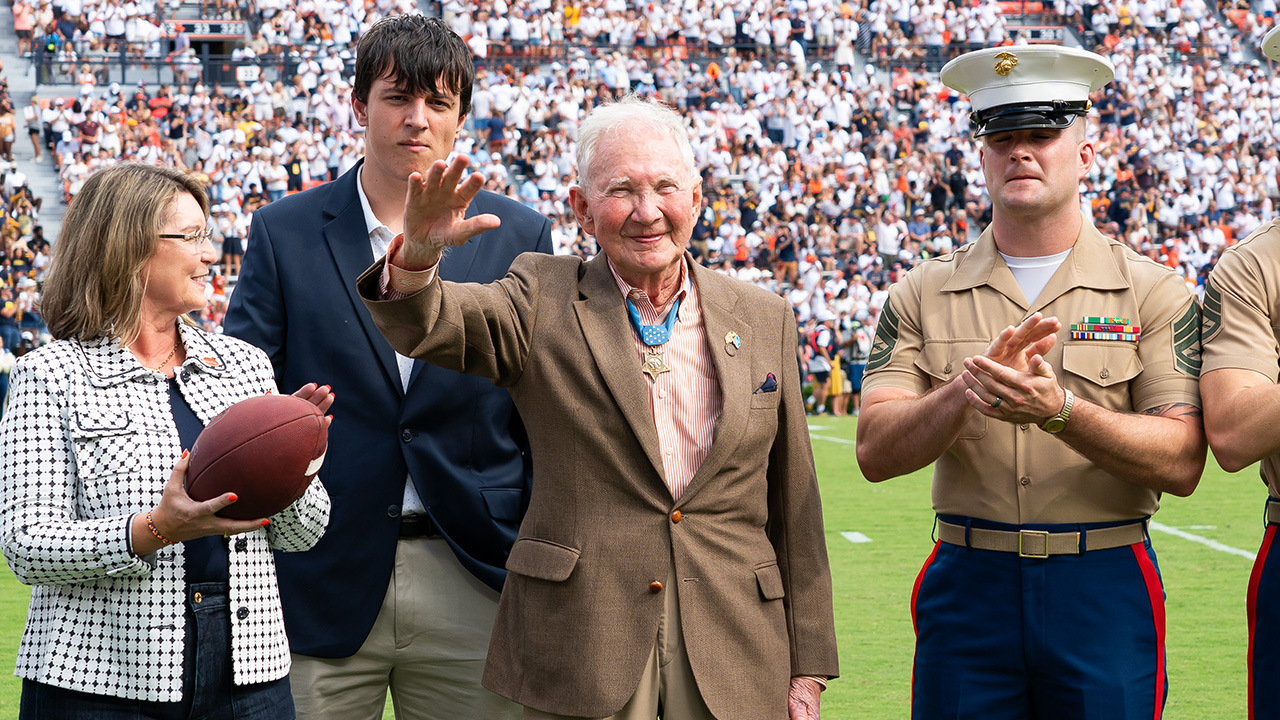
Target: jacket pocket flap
503 503
92 422
769 578
542 559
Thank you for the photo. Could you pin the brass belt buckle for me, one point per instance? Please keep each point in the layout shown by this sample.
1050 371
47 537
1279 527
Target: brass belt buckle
1022 543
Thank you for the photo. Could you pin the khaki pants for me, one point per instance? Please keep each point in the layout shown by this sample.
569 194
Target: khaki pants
428 645
667 682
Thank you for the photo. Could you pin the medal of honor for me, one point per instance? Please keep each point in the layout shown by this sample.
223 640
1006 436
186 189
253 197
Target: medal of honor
654 364
653 337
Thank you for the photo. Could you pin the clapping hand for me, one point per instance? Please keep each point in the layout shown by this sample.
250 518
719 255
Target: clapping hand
1011 381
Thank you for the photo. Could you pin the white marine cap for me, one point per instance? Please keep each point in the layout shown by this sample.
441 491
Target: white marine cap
1271 43
1027 86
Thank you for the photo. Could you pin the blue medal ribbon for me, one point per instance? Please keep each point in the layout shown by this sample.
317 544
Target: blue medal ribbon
653 335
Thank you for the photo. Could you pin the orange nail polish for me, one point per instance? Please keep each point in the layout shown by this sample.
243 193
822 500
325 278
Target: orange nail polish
185 453
234 497
266 522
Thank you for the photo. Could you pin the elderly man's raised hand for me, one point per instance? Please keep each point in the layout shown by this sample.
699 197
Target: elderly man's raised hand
435 213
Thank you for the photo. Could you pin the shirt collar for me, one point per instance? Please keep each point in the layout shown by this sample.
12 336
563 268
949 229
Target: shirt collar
371 221
1091 264
110 364
631 292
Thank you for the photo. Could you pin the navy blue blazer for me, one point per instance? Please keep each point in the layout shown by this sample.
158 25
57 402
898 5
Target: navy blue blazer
459 437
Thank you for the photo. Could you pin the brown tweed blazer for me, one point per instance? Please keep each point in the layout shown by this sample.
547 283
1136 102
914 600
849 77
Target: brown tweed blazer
577 618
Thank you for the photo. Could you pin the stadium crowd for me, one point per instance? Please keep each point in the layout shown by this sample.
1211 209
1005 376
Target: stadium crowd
832 159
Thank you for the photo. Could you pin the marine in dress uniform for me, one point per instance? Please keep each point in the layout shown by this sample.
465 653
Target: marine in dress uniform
1241 410
1050 373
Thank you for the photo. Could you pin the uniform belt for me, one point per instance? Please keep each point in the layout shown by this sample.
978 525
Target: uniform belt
416 526
1041 543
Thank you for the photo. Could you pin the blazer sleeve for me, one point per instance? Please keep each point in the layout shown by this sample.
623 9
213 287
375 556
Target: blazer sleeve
470 328
301 525
41 536
796 530
256 313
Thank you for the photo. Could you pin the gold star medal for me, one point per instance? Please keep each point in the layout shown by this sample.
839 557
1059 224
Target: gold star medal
654 363
653 337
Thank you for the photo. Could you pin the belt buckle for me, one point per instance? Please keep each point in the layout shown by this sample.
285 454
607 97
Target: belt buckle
1022 536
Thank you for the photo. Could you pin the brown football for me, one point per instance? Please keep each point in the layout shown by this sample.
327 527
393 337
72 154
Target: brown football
265 450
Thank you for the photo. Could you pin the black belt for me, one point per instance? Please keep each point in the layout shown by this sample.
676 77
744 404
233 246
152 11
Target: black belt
416 526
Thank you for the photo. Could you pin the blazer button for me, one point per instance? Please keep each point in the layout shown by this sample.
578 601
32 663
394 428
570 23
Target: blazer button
242 613
186 375
197 598
242 545
1104 373
393 511
676 516
655 587
406 435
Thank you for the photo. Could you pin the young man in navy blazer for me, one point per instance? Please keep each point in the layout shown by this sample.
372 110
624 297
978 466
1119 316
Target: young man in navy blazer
428 469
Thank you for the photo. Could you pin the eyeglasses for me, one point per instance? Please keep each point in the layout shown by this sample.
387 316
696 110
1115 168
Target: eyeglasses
196 239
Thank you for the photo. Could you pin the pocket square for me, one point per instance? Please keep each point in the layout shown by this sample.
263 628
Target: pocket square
770 385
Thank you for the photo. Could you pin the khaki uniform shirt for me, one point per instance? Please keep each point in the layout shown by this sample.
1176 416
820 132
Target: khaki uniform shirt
1241 315
950 308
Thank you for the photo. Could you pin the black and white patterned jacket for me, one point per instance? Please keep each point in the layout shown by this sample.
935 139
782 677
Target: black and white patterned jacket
88 440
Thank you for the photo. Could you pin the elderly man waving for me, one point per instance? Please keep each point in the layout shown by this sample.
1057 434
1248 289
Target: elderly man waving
673 553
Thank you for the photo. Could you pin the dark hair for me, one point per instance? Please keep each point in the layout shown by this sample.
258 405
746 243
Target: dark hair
419 54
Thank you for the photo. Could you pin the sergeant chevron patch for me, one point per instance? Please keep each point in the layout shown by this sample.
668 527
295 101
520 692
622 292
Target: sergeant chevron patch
1211 323
886 338
1186 341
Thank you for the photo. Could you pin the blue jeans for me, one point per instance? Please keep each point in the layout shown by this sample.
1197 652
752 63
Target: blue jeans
11 336
208 692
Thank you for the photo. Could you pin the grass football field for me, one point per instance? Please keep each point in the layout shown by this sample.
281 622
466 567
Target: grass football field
873 580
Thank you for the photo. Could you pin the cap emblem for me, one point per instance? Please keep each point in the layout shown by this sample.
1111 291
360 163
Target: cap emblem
1005 63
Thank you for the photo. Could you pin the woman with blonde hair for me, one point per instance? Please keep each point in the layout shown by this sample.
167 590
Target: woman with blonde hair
146 603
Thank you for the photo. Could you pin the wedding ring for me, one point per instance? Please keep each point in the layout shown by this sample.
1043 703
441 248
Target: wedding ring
997 402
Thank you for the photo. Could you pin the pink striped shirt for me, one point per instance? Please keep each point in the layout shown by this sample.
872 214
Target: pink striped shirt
685 402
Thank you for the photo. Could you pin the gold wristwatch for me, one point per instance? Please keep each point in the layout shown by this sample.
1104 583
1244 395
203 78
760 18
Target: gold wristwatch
1058 422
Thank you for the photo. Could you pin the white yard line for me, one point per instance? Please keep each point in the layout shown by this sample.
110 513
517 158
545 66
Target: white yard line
1214 544
855 537
842 441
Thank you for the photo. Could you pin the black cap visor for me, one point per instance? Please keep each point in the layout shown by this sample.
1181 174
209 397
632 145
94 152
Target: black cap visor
1056 115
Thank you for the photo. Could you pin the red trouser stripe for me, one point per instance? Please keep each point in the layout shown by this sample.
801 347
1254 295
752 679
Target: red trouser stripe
1156 593
915 593
1251 603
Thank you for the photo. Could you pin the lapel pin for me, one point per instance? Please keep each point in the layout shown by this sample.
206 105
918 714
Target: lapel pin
731 343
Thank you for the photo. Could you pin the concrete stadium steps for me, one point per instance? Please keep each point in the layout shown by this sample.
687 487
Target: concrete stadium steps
41 176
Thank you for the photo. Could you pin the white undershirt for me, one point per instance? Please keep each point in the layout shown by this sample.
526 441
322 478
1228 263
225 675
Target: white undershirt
379 237
1033 273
